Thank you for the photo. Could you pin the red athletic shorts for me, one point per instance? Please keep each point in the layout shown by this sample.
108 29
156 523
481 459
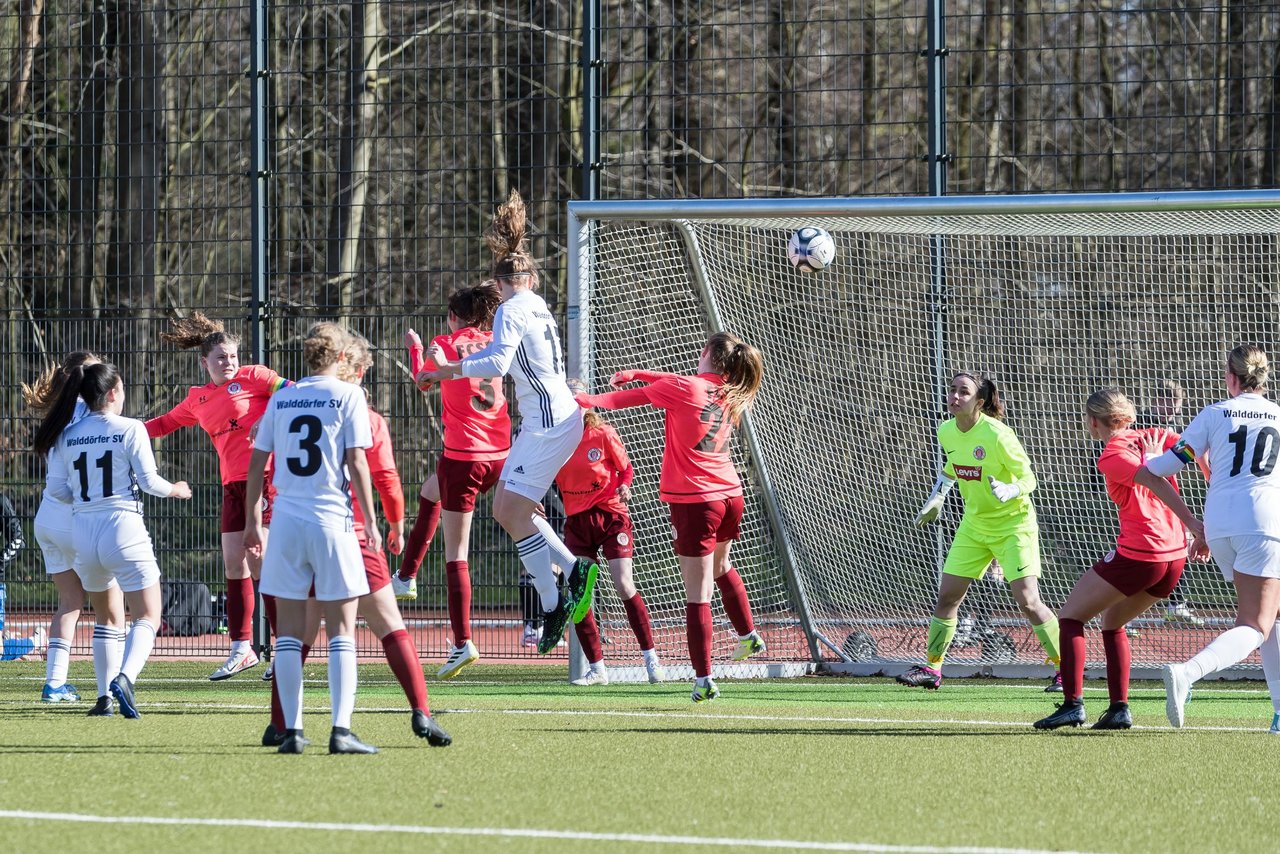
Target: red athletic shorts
1130 576
462 481
699 527
595 530
233 505
375 564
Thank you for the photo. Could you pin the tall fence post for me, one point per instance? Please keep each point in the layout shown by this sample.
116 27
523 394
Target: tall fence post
591 65
259 231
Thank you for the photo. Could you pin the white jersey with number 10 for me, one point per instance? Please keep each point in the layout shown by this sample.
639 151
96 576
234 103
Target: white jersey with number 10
309 426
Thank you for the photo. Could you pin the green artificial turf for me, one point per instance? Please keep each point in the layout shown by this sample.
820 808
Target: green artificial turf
865 764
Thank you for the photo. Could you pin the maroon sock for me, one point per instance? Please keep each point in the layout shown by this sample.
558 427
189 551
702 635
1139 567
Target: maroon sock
240 609
733 595
1071 647
1116 645
638 617
420 537
277 711
458 582
403 658
589 637
698 617
269 605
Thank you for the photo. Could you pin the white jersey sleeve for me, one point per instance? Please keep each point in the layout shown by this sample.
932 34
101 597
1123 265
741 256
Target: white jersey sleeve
509 325
106 458
143 461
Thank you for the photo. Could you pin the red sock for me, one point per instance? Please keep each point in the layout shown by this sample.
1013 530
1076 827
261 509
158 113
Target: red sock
638 617
698 617
240 609
269 605
277 711
420 537
458 582
589 637
403 658
733 595
1071 647
1116 645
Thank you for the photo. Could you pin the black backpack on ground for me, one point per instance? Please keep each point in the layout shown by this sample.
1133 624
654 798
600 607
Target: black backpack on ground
187 608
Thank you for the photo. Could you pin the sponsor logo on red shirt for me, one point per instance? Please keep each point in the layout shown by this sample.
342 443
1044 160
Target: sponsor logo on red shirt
968 472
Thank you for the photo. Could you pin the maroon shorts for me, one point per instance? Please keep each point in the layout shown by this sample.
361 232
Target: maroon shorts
1130 577
462 481
233 505
699 527
595 530
375 565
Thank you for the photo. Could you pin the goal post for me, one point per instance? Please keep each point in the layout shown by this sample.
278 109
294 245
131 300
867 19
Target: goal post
1056 296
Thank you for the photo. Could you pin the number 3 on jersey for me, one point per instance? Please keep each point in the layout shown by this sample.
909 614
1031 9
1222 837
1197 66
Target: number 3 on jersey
309 445
1266 450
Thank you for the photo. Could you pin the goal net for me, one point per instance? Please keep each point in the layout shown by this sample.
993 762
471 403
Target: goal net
1054 296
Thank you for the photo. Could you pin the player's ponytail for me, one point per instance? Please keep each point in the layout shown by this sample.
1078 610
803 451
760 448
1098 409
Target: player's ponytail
41 395
508 240
197 330
92 383
742 367
475 306
1249 364
324 346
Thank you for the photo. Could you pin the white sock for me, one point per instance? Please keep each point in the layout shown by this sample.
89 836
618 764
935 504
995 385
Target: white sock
288 676
342 679
106 657
1228 648
650 656
535 556
56 661
1270 650
137 649
560 554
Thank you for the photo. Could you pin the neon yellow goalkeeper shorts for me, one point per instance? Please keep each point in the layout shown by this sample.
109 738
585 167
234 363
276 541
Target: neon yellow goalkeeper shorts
1017 553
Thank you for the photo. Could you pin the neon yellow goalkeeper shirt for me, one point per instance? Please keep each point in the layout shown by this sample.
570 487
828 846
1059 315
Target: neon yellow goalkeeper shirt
989 449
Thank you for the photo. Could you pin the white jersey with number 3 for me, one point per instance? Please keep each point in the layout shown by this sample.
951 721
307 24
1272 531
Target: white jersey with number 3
1240 438
309 426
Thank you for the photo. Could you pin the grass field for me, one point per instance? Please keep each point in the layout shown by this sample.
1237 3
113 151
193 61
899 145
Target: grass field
817 764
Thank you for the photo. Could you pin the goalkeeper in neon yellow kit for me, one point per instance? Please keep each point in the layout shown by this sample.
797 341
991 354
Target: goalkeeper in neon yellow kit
987 460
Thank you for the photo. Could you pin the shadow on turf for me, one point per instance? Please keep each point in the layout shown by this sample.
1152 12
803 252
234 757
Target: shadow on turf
914 731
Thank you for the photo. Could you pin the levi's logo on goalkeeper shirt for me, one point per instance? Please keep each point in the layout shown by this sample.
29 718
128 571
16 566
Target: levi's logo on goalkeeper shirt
968 472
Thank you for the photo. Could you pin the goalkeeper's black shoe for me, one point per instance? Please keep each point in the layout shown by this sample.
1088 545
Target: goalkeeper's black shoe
1070 713
346 741
921 677
553 623
272 737
1115 717
425 726
582 583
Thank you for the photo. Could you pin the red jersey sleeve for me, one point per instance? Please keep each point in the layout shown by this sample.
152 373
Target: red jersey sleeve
623 399
615 449
382 470
180 416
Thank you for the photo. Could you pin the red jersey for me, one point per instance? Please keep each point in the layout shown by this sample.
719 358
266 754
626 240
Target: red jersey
593 474
382 472
1149 530
477 426
226 412
696 464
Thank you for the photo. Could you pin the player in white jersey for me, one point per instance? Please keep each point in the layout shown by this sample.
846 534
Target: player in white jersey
100 465
53 529
318 429
1237 441
526 347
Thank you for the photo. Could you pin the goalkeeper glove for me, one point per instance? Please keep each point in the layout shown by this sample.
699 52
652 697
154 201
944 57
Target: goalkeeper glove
1005 492
11 550
933 506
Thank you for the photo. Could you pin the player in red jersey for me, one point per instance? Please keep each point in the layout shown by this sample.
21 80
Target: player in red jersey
226 407
700 484
595 485
378 607
477 436
1145 565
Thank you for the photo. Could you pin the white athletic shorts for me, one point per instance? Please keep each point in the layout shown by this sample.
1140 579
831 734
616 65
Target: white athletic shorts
53 528
300 553
114 546
1252 554
537 456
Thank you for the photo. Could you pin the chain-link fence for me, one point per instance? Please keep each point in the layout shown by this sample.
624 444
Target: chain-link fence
370 142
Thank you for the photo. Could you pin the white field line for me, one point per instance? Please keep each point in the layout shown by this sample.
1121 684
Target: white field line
513 833
658 715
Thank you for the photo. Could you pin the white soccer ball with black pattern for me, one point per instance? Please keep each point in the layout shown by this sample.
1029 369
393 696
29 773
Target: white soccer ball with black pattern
811 249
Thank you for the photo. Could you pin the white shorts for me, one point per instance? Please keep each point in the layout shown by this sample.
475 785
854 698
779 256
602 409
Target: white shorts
53 526
537 456
300 553
114 546
1252 554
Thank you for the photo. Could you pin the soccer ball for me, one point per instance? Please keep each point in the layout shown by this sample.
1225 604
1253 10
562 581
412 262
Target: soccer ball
811 249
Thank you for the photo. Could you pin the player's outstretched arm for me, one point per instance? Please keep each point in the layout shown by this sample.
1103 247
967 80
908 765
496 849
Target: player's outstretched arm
615 399
933 504
624 377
